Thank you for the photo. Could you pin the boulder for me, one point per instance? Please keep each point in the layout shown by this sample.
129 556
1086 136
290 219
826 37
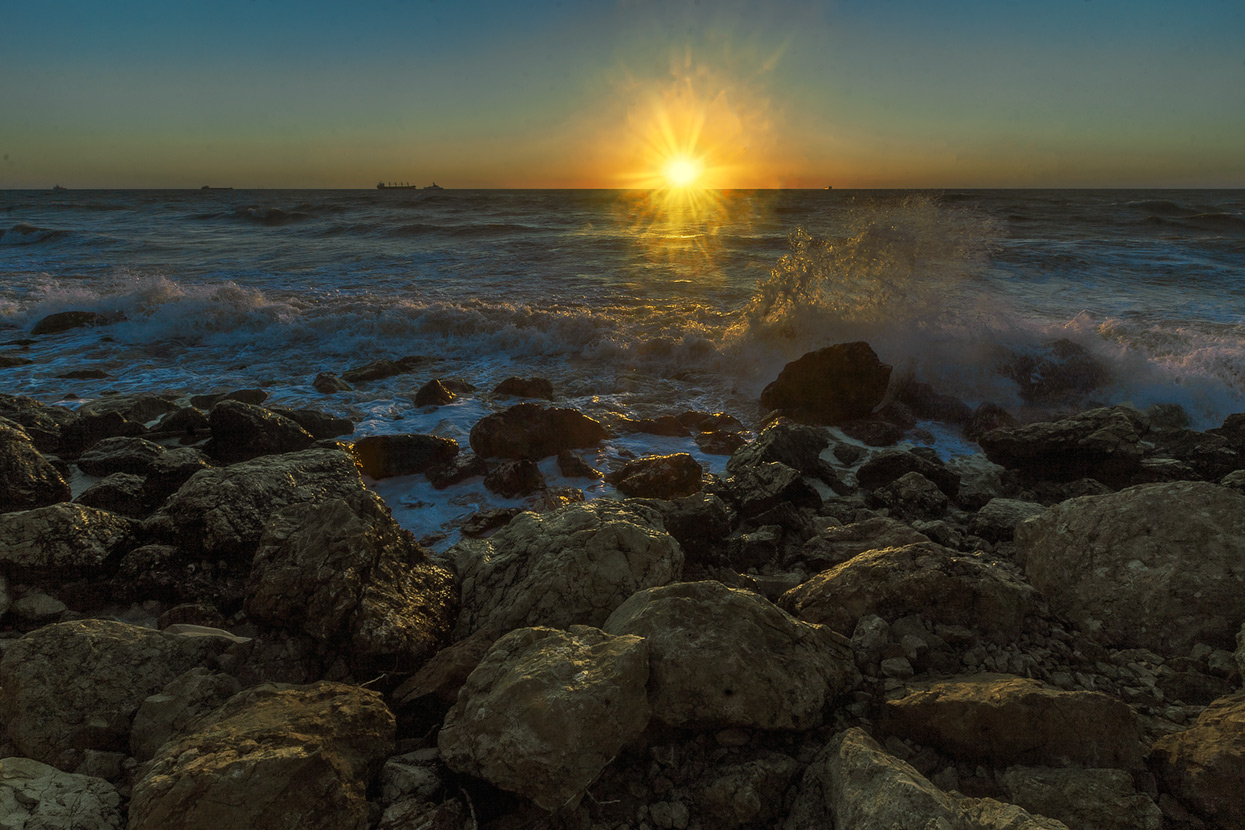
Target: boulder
137 409
546 710
699 523
529 430
384 456
1104 444
274 756
572 465
170 471
1058 370
321 425
481 523
853 783
66 541
758 488
222 512
242 431
120 493
889 465
573 565
122 454
1204 766
515 478
1086 799
42 423
456 470
987 417
746 794
433 393
255 397
327 383
381 369
659 476
424 698
1005 720
922 578
668 425
912 496
66 320
996 521
1157 566
525 388
116 666
27 479
40 797
168 713
721 657
927 403
796 445
873 431
836 545
343 572
831 385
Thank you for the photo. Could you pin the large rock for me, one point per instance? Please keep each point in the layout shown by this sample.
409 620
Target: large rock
67 541
138 409
922 578
343 572
853 783
761 487
525 388
274 756
659 476
699 523
120 493
546 710
890 465
1204 766
122 454
42 423
835 545
997 519
747 794
796 445
1007 720
383 456
1086 799
170 712
1058 370
321 425
27 479
912 496
1104 444
574 565
724 657
529 430
241 431
113 666
831 385
35 796
66 320
424 698
1158 566
222 512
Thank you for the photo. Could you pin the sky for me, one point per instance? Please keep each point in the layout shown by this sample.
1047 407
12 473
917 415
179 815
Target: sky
606 93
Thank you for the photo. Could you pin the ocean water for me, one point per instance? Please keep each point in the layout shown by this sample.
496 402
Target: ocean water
632 303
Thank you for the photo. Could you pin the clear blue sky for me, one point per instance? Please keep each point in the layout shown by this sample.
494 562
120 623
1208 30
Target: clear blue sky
547 94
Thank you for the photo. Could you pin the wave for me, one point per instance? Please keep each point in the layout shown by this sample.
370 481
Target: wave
1218 221
26 234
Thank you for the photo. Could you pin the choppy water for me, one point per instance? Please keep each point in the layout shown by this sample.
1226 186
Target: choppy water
630 303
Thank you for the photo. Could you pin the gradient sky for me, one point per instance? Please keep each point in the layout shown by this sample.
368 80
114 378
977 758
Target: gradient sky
598 93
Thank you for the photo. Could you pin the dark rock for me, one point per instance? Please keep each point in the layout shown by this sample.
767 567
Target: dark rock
27 479
187 420
668 425
928 404
170 471
321 425
754 549
242 431
384 456
487 520
699 523
988 417
422 701
458 469
710 422
433 393
912 496
1104 444
531 431
42 423
848 454
381 369
89 429
254 397
889 465
997 520
83 374
572 466
720 443
9 361
1210 455
168 574
830 386
873 432
525 388
120 493
659 477
510 479
63 542
122 454
759 487
836 545
1204 766
327 383
796 445
1058 371
191 613
66 320
141 409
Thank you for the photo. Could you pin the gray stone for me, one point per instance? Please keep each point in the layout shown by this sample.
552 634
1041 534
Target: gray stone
1087 799
997 520
35 796
122 454
747 794
27 479
169 713
64 540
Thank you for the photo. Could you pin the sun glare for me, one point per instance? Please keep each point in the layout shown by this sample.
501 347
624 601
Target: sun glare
683 172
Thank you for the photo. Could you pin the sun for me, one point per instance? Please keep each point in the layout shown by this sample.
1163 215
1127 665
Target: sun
683 172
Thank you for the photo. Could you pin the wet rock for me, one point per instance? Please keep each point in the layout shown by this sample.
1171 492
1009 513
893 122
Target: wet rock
66 320
38 609
222 512
63 541
327 383
922 578
889 465
254 397
912 496
433 393
42 423
755 548
488 520
987 417
668 425
761 487
1157 566
40 797
272 756
831 385
119 665
423 699
926 403
170 471
1086 799
169 713
796 445
404 454
344 573
574 565
381 369
546 710
1058 370
1007 720
722 657
119 493
321 425
242 431
1204 766
456 470
699 523
525 388
720 443
1202 455
511 479
123 454
27 479
572 466
747 794
659 477
1104 444
836 545
531 431
997 520
138 409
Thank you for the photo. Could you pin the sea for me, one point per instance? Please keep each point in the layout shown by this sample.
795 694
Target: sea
633 303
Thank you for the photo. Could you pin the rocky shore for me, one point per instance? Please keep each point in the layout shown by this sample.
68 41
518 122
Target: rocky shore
228 628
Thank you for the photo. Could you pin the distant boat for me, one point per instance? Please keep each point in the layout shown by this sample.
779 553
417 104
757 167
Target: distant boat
828 187
58 189
434 186
209 187
396 186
